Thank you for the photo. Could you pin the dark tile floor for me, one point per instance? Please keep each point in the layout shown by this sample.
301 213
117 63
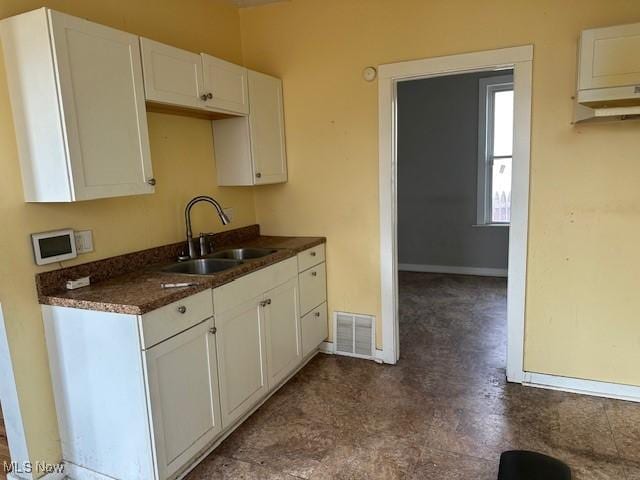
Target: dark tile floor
5 459
443 412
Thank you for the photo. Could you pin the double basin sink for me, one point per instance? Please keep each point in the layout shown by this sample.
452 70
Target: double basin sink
217 262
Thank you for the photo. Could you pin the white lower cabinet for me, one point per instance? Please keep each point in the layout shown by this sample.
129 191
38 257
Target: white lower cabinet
315 329
282 326
141 397
242 359
258 336
313 298
182 378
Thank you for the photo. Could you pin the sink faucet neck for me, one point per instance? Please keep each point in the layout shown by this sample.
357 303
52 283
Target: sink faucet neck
187 219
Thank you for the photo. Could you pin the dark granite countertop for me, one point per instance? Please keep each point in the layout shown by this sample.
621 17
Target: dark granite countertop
130 283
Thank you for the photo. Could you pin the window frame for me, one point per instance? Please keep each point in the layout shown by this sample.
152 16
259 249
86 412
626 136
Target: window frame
487 88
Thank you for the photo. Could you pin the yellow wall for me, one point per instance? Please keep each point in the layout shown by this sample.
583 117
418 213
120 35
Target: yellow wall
182 156
582 295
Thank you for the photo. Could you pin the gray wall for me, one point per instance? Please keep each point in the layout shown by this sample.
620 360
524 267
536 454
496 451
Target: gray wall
437 176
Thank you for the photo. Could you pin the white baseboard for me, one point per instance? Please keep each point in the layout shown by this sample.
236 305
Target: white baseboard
327 347
48 476
330 349
585 387
76 472
479 271
379 356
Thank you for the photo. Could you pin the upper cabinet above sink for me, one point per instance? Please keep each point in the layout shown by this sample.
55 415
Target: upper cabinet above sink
194 81
246 107
78 104
225 86
171 76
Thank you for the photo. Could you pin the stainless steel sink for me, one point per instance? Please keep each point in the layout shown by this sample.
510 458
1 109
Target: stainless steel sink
201 266
243 253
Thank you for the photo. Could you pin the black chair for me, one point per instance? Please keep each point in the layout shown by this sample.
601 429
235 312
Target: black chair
523 465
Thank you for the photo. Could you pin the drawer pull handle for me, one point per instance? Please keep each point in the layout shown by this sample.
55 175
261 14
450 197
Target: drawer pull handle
314 274
182 309
317 314
313 254
213 330
266 302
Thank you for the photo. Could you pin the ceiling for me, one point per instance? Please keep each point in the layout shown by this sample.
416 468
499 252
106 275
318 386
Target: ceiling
253 3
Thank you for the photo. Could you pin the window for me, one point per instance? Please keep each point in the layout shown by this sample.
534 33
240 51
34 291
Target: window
495 150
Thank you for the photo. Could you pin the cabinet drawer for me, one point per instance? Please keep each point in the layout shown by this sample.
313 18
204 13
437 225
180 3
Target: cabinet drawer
315 329
310 257
174 318
313 288
252 285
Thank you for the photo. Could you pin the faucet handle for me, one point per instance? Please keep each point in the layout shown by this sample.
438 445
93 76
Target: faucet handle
183 256
205 244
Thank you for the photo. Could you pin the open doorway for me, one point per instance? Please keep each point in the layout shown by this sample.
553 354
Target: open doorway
519 60
454 156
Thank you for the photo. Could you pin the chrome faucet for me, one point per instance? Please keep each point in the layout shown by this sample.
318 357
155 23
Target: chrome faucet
187 219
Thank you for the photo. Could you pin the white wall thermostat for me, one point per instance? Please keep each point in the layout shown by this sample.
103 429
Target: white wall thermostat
52 247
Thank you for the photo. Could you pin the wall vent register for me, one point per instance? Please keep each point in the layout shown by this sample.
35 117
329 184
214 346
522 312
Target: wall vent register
355 335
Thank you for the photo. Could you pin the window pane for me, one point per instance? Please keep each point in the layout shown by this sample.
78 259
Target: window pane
501 191
503 123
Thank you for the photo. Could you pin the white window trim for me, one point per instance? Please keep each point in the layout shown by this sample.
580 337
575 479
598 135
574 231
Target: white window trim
488 86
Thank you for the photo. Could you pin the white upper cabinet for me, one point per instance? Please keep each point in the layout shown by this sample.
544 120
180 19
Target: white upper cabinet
172 76
195 81
609 57
225 86
78 103
251 151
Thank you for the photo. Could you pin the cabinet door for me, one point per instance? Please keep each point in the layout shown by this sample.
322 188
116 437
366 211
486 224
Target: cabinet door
226 85
315 329
171 75
266 124
282 325
609 57
184 400
241 359
101 90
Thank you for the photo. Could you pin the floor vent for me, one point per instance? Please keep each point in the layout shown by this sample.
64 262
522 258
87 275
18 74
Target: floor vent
355 335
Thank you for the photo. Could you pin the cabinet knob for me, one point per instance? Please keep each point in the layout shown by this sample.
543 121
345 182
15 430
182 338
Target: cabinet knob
258 175
313 254
317 314
206 96
266 302
213 330
152 182
314 274
182 309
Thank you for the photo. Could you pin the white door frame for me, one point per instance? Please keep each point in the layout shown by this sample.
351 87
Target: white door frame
521 60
